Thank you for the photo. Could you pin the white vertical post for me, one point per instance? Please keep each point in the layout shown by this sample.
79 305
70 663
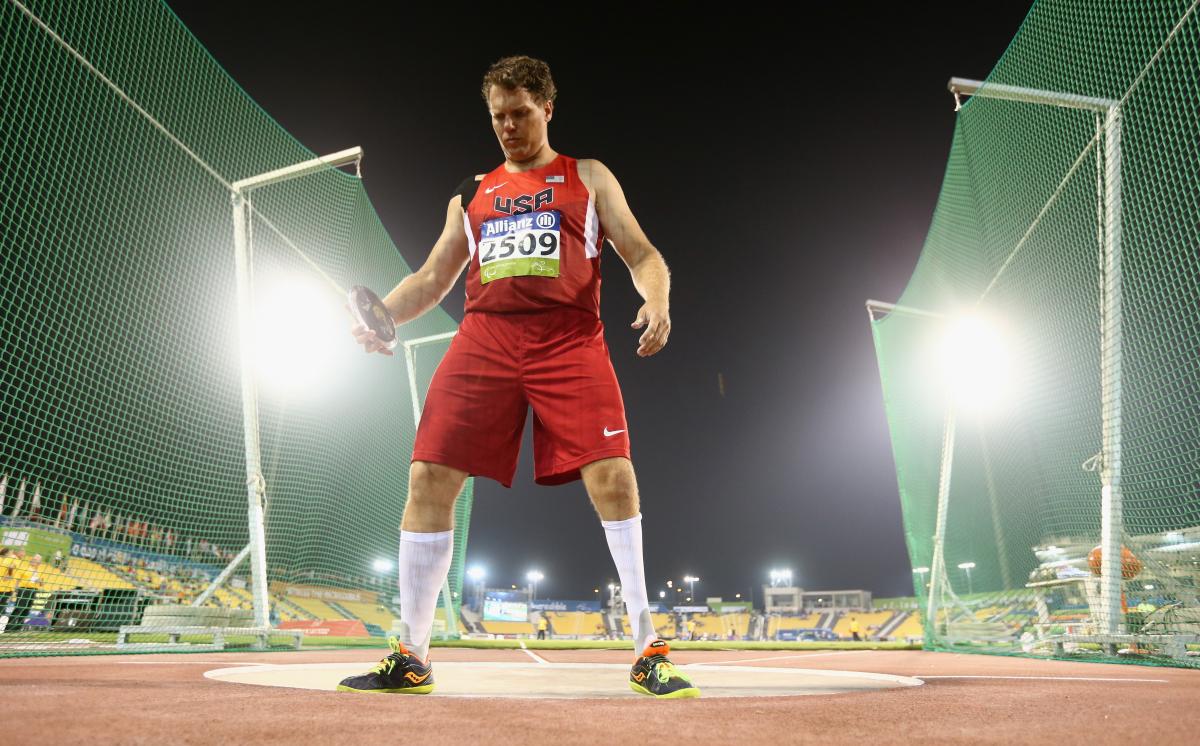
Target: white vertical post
937 569
997 524
255 485
1111 516
1111 502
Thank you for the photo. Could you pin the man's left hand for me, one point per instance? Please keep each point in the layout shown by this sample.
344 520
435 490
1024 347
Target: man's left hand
657 321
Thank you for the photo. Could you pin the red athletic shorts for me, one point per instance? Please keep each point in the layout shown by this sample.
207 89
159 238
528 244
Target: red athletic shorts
499 365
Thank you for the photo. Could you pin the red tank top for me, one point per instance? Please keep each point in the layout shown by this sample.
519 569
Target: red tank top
535 241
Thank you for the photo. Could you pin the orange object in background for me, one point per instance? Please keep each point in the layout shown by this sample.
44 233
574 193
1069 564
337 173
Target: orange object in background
1130 564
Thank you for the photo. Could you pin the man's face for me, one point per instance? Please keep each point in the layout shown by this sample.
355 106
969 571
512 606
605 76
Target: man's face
519 121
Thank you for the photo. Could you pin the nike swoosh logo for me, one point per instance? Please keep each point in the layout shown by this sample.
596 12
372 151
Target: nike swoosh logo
609 433
489 190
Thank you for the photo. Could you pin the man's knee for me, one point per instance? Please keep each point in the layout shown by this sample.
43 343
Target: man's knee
432 491
612 486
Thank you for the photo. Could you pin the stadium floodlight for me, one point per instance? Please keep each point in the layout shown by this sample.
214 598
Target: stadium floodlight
382 565
534 577
691 580
662 594
478 573
300 332
975 362
968 567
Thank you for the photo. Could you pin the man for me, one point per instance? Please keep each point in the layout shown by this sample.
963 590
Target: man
855 629
530 234
542 625
9 582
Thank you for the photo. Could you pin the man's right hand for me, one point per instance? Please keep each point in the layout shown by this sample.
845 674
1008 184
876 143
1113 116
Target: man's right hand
368 340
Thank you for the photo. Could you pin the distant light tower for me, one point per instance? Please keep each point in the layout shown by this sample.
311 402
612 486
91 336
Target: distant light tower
967 566
478 573
691 580
922 571
781 577
534 577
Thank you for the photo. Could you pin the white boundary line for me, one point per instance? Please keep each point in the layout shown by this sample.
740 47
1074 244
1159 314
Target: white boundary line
176 663
773 658
532 654
1047 678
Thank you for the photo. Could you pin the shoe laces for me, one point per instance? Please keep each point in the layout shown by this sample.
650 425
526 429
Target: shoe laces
664 670
398 654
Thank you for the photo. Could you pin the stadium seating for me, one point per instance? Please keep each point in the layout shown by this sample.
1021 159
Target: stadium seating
663 623
370 613
576 623
869 622
508 628
911 627
717 626
317 608
777 623
90 574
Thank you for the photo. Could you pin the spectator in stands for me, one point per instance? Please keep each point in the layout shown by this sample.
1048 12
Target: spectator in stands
27 581
542 626
8 576
855 630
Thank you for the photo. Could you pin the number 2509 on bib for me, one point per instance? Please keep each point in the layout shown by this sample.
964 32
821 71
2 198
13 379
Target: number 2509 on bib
518 245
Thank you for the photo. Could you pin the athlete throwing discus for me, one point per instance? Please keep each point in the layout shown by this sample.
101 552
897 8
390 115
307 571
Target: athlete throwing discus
529 234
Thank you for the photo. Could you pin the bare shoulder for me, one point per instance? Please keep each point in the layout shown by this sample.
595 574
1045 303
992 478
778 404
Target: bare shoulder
594 174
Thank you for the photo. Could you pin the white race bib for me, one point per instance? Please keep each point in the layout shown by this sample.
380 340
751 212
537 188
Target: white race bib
517 245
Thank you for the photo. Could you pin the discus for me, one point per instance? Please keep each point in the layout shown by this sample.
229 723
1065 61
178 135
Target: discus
369 311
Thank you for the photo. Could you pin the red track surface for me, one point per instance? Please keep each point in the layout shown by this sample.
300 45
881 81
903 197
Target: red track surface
166 699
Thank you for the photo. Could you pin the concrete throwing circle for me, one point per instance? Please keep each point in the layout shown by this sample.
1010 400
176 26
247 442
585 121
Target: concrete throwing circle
575 680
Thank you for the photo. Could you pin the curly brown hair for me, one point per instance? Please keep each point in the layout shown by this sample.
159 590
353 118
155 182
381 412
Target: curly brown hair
521 71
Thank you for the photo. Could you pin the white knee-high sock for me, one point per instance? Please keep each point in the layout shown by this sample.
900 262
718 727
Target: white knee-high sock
625 544
424 562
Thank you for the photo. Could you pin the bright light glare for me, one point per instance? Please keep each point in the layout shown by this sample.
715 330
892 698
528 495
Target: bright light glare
477 573
301 333
534 576
975 362
382 565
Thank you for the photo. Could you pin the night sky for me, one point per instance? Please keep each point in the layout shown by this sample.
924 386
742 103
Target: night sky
786 172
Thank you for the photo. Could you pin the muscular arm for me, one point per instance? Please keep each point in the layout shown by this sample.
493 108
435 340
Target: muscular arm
425 288
646 265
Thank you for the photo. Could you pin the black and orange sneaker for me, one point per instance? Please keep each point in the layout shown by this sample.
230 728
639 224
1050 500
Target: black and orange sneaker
399 673
654 674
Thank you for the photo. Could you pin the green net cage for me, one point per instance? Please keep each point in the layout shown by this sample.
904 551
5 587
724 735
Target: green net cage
1041 371
181 446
